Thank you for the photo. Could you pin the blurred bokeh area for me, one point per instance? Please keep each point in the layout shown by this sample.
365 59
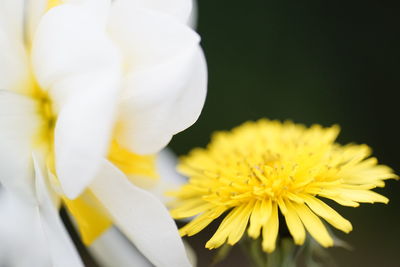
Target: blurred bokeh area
326 62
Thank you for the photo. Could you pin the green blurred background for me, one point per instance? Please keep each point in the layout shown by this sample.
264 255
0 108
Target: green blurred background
326 62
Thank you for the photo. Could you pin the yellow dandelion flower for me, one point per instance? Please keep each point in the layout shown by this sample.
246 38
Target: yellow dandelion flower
262 168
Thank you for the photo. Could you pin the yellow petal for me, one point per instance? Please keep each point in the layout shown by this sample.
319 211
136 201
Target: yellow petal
260 215
329 214
282 206
239 224
314 225
270 230
225 228
363 196
201 221
191 208
340 200
294 224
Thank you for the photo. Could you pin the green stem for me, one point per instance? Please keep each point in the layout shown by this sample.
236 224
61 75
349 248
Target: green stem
283 256
252 249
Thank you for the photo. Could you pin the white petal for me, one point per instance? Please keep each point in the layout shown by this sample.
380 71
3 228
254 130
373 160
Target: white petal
34 11
166 167
159 84
191 253
113 249
14 68
12 18
180 9
80 66
161 119
18 126
14 72
170 179
21 233
62 250
71 44
99 8
149 38
82 137
141 217
189 104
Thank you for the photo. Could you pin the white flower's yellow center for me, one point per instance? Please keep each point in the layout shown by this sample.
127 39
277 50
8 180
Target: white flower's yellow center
47 116
52 3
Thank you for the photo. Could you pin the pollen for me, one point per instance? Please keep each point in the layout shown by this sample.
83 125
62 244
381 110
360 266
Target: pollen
264 168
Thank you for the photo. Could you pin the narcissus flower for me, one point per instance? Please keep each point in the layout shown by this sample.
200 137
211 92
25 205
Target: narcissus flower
262 168
93 89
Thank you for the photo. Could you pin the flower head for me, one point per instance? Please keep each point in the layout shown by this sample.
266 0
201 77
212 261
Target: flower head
263 167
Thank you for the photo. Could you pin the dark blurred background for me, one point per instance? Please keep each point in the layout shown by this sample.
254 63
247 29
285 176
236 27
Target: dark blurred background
326 62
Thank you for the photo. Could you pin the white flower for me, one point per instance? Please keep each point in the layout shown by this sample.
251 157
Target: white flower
92 86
